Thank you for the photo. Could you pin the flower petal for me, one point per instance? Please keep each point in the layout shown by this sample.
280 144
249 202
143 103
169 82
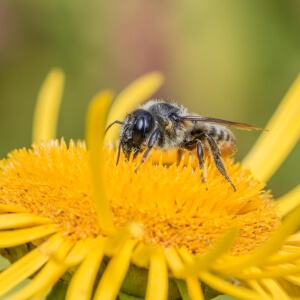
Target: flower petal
12 208
134 94
115 272
277 271
194 288
95 128
8 221
283 257
82 282
157 288
28 264
290 224
12 238
194 264
141 255
275 289
47 277
79 252
228 288
47 107
274 145
291 289
256 286
289 201
175 262
293 240
203 262
294 279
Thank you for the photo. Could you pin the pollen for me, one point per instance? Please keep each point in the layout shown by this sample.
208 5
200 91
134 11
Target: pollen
174 207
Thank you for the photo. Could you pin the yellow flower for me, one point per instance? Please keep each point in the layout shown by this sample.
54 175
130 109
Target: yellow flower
158 233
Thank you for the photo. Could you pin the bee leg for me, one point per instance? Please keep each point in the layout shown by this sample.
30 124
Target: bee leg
179 156
153 139
217 158
191 145
135 154
118 155
200 155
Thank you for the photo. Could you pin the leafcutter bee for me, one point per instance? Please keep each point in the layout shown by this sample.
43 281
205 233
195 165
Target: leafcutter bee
167 125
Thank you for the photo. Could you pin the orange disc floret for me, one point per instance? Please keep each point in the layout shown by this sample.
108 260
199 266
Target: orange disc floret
177 209
53 180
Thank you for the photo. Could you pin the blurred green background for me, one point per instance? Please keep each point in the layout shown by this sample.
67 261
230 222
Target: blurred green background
228 59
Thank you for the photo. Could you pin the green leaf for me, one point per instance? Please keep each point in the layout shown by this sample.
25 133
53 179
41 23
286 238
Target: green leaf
58 292
181 284
123 296
4 263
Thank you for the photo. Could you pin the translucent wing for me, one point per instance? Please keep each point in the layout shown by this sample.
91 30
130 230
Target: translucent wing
238 125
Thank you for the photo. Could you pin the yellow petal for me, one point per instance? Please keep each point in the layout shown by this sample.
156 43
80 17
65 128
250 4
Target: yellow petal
116 241
274 145
290 224
194 288
271 272
157 287
95 128
294 279
141 255
227 288
290 248
275 289
47 277
136 93
175 262
256 286
12 238
289 201
282 257
203 262
8 221
47 107
291 289
12 208
79 252
293 240
81 285
28 264
114 273
194 264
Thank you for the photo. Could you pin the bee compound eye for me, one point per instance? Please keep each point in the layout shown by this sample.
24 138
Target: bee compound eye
174 117
138 130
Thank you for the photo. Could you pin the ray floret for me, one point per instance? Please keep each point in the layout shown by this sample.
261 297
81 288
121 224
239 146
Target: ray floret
283 129
47 107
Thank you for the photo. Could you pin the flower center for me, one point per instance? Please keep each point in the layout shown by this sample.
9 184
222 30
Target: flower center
171 203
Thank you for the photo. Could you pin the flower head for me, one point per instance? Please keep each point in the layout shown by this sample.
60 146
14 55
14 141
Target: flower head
79 210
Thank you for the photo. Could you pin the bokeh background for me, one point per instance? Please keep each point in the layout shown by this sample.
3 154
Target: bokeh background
227 59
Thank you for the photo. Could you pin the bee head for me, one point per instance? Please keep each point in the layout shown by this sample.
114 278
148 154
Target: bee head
136 129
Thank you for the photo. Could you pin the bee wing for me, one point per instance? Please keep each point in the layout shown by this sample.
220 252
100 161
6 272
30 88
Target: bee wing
238 125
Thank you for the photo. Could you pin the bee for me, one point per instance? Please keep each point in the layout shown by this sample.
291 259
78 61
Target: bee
168 125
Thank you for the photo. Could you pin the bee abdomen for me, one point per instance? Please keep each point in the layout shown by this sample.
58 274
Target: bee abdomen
221 134
224 139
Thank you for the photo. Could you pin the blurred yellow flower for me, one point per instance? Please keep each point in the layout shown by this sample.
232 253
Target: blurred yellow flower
102 223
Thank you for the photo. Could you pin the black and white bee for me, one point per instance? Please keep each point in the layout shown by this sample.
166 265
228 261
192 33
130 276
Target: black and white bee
168 125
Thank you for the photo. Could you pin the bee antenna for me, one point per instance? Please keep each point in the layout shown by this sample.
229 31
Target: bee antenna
126 127
113 123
